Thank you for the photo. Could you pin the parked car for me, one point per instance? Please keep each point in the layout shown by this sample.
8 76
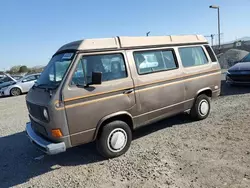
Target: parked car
246 58
20 86
239 74
16 77
7 80
103 94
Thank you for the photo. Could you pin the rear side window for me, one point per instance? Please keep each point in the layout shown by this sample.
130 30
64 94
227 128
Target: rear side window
211 53
30 78
155 61
246 58
192 56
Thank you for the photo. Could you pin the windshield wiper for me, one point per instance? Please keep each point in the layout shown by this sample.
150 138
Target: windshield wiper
47 87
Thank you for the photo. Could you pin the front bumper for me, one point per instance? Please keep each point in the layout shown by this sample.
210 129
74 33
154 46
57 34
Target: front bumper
232 82
238 79
2 93
46 146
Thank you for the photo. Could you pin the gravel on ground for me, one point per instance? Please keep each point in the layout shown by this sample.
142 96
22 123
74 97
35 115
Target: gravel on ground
176 152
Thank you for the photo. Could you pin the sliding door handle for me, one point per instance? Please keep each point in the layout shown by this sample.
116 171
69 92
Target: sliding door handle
127 91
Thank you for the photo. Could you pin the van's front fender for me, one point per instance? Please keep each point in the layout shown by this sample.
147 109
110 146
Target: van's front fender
113 116
203 90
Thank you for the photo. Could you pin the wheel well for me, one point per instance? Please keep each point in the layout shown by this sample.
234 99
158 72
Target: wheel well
17 88
207 92
123 117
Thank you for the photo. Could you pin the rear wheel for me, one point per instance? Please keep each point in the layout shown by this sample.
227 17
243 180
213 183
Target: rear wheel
114 139
201 107
15 91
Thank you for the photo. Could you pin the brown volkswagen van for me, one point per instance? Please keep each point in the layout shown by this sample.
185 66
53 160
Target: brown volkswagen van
103 89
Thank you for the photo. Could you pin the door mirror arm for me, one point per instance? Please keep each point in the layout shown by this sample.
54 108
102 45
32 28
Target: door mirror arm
96 79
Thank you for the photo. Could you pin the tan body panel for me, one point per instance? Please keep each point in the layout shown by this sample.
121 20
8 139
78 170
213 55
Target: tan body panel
155 95
42 99
86 106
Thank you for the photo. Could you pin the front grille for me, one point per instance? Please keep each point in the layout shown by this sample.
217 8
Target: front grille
240 78
39 129
36 111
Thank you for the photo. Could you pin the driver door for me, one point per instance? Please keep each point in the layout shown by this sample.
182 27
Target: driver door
87 105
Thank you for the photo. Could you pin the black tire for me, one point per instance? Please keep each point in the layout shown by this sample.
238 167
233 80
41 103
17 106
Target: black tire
199 113
110 131
15 91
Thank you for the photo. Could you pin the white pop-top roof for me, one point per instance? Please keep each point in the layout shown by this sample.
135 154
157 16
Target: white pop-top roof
132 42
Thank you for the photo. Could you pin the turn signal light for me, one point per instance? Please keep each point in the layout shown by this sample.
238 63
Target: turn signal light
56 133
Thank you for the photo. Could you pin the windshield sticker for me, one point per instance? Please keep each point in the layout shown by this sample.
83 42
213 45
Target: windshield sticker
67 56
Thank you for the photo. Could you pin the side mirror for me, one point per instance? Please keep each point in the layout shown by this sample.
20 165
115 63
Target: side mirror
96 79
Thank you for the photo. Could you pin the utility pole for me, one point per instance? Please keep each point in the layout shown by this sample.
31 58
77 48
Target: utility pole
218 11
212 38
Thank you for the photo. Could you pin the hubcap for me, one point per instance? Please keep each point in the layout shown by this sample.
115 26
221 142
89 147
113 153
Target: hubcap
203 107
117 140
15 91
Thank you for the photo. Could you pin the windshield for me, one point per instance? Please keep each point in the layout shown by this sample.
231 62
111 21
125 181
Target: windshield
246 59
17 77
54 72
5 79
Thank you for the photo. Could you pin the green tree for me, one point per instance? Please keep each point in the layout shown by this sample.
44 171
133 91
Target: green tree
14 69
23 69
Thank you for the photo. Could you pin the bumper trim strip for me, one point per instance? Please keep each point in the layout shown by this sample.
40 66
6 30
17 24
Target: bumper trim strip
46 146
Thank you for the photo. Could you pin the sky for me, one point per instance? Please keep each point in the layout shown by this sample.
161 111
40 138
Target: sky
31 31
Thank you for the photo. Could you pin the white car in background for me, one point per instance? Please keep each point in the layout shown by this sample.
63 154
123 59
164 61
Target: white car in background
21 86
149 62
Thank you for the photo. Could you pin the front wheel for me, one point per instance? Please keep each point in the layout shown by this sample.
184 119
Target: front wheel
15 91
201 107
114 139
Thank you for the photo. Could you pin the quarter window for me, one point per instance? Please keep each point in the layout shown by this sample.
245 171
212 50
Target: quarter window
154 61
112 67
192 56
211 53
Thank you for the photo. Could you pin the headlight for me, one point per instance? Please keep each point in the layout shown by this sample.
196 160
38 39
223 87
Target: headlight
46 114
4 88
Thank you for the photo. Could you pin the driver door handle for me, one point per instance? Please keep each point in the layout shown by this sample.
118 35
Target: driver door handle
127 91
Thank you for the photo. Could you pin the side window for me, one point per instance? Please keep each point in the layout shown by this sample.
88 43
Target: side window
112 67
154 61
192 56
79 76
29 78
211 53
